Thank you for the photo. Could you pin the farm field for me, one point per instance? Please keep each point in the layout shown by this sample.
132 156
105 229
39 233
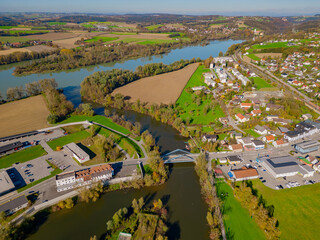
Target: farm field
238 223
266 55
103 39
73 137
164 88
270 45
53 36
56 23
40 48
23 116
12 50
153 27
15 39
191 110
254 57
260 83
295 208
22 156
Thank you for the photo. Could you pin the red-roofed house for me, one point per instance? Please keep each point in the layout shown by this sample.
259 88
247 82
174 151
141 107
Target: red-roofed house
268 139
246 106
280 143
241 118
256 112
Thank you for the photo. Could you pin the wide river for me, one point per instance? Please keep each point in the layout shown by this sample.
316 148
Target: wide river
181 193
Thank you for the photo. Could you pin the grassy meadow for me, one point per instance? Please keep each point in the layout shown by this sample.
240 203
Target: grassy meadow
190 109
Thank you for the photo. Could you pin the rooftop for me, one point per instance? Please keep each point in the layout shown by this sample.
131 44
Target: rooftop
14 203
308 144
5 182
245 172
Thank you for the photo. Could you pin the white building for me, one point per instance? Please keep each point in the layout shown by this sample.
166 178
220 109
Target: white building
75 151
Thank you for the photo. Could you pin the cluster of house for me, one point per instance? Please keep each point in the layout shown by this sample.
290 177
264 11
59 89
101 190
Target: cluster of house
69 180
27 43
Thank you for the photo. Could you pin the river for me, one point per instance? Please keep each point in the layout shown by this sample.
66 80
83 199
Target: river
181 193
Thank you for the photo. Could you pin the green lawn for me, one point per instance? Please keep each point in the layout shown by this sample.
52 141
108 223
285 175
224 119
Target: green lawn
270 45
238 223
52 174
129 40
297 210
87 25
103 39
153 27
74 137
198 116
22 156
98 119
254 57
260 83
252 133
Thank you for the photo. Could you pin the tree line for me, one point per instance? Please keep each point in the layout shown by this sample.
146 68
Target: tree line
98 85
83 57
23 56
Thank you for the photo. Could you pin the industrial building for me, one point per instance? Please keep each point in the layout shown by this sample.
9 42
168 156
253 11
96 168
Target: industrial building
75 151
307 146
9 147
285 166
6 184
244 173
12 206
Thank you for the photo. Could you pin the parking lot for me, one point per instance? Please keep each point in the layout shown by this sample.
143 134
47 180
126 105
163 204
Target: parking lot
33 170
249 159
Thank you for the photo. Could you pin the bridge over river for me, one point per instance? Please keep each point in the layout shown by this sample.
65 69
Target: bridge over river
179 156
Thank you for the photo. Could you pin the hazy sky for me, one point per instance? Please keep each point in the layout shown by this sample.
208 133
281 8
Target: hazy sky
247 7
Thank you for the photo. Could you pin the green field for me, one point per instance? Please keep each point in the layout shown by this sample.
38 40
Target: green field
297 210
13 39
6 27
198 116
98 119
124 33
103 39
270 45
252 133
156 41
56 23
254 57
260 83
154 27
130 40
74 137
22 156
238 223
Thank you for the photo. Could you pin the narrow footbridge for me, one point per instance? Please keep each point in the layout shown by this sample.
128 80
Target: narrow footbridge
179 156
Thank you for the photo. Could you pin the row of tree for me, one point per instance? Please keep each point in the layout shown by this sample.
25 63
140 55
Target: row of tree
210 196
262 214
83 57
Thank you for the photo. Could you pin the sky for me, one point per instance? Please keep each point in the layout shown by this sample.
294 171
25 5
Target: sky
192 7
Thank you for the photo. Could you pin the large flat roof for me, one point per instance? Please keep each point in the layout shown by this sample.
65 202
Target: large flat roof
77 150
283 164
6 183
10 146
18 136
14 203
308 144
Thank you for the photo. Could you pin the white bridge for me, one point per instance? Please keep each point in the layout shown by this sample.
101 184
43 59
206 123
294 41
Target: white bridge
179 156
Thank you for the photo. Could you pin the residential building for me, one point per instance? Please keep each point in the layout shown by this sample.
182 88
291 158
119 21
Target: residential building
209 138
224 120
246 106
75 151
280 143
199 88
268 139
73 179
260 130
307 146
14 205
258 144
235 147
244 173
245 141
256 112
241 118
283 130
234 159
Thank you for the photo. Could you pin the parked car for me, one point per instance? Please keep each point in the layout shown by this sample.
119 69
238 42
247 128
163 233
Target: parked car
31 180
263 181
